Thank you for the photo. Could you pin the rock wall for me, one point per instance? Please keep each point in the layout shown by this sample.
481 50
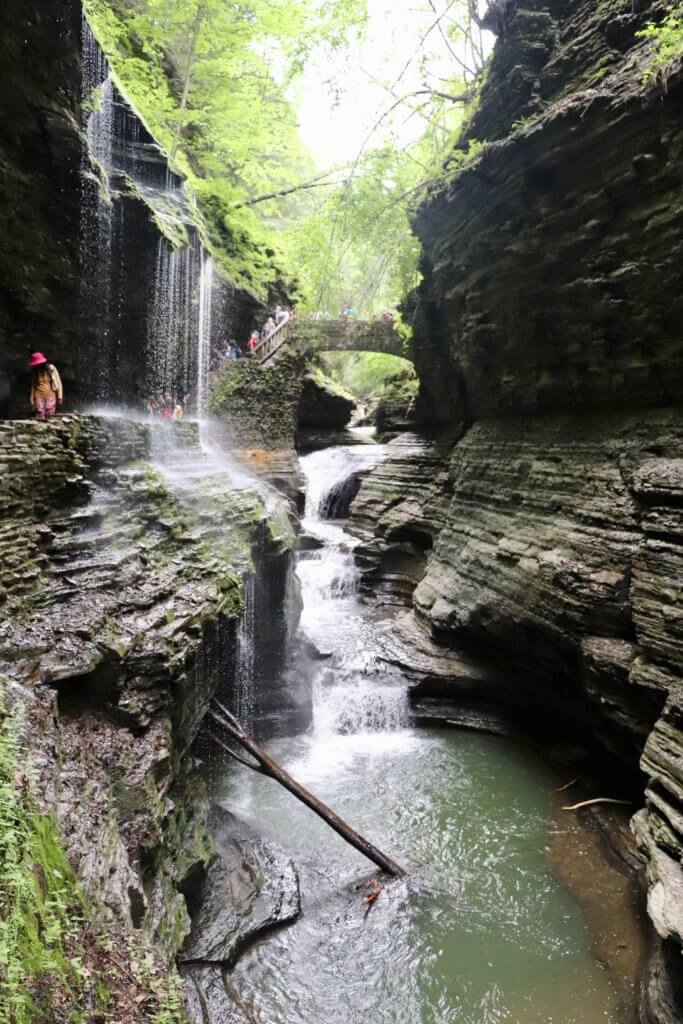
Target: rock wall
102 256
547 338
553 261
40 155
117 637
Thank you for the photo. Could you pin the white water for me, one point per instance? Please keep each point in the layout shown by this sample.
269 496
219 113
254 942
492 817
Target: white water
204 335
357 700
481 934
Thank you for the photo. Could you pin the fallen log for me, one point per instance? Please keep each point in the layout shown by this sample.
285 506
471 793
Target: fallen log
265 765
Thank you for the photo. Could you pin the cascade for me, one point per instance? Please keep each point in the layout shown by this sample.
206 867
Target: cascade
245 659
483 932
96 230
354 694
204 334
147 283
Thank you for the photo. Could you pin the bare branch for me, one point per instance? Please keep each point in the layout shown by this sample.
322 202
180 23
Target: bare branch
597 800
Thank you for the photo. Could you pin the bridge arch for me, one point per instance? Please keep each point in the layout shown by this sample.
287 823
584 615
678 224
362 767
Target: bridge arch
334 336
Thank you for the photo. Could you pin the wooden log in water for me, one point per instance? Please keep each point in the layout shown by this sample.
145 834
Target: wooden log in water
267 766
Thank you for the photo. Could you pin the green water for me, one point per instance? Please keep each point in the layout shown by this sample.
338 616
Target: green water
480 934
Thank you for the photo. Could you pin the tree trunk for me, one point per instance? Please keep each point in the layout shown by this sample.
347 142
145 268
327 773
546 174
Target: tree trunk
266 766
194 35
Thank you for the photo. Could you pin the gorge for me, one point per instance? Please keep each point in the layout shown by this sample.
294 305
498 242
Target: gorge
451 633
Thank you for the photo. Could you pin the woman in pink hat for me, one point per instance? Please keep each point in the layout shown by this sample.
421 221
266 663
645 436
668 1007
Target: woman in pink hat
46 386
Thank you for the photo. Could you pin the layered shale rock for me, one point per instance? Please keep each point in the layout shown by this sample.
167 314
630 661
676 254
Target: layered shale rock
119 636
552 261
397 513
551 298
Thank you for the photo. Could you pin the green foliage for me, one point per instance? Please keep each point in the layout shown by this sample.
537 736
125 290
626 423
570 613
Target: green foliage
667 53
400 389
211 80
40 905
364 374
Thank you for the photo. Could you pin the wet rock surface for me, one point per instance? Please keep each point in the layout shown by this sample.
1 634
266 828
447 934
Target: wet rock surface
117 640
324 404
250 887
397 514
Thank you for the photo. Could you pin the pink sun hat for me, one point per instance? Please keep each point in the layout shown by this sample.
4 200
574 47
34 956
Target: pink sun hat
37 359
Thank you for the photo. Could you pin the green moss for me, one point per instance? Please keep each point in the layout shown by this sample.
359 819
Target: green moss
164 214
401 389
329 384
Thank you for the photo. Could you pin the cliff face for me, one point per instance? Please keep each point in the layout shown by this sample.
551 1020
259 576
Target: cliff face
40 156
122 585
553 262
102 264
548 337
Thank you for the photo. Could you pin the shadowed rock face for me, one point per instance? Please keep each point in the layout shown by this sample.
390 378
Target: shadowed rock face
40 153
548 338
323 406
117 634
82 294
553 262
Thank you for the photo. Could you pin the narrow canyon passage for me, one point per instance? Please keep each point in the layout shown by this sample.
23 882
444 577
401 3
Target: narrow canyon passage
481 932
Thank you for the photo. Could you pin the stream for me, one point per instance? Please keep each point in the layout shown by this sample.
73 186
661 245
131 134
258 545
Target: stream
481 932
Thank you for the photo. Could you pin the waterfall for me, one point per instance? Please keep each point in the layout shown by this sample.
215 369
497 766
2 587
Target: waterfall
146 281
355 694
97 212
245 661
204 335
173 322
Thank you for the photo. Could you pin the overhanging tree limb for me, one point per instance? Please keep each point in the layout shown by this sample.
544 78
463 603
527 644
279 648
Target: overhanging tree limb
316 183
267 766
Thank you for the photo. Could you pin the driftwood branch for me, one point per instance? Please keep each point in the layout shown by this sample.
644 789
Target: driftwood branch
597 800
267 766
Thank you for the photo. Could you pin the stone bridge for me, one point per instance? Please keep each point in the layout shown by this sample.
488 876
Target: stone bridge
333 336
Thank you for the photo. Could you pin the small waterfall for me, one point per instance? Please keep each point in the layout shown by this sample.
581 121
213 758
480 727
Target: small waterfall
146 301
172 327
204 335
245 661
97 211
354 693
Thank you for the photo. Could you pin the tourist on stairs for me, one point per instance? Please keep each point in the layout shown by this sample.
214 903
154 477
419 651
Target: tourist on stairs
46 387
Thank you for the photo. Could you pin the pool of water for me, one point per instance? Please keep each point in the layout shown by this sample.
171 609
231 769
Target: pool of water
480 932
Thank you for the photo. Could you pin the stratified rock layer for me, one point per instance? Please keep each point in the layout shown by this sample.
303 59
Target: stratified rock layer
119 634
398 512
547 332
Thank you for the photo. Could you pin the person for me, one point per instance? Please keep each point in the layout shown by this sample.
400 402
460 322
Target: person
348 313
232 352
167 407
178 412
253 342
152 406
280 314
46 387
268 327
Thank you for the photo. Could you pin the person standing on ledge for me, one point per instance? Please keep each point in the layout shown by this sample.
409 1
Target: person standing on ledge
46 387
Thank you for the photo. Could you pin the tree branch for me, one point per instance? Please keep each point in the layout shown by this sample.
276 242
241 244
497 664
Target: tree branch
286 192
